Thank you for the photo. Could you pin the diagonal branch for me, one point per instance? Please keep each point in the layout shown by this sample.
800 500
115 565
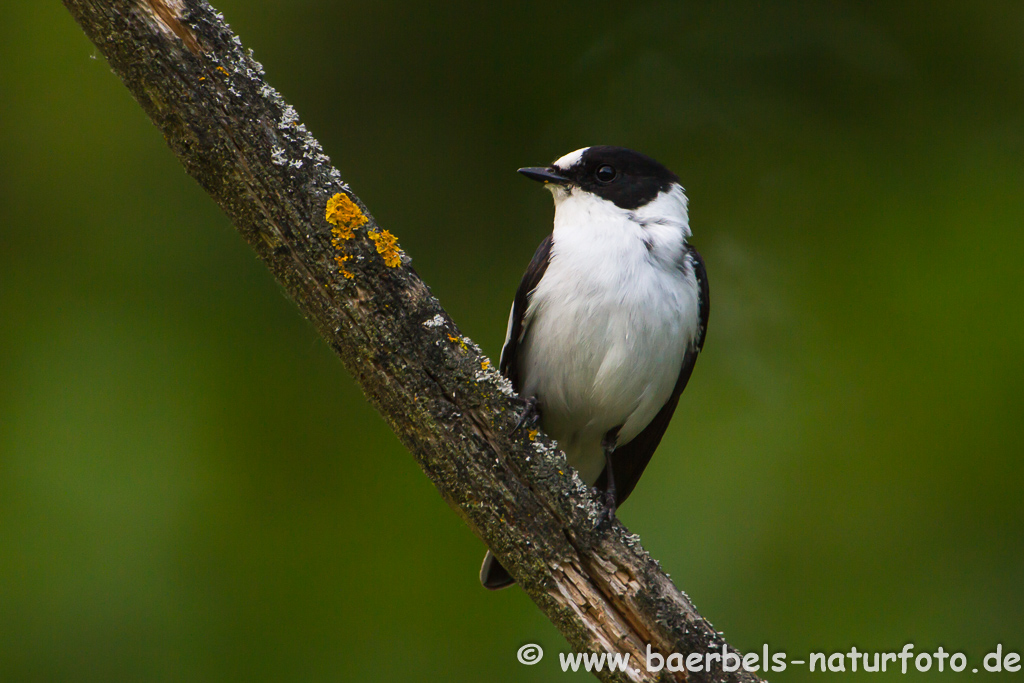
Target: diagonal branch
238 138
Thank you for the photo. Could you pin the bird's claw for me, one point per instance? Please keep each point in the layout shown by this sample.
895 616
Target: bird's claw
529 416
607 514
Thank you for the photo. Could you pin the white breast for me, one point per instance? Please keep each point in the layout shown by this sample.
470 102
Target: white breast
610 321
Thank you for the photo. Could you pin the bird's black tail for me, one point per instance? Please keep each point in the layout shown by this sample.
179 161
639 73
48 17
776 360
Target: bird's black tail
493 575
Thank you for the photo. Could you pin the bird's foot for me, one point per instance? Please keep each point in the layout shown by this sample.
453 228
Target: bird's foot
607 514
529 416
609 496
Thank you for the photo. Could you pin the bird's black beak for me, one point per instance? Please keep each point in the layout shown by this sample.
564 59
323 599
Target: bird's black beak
544 175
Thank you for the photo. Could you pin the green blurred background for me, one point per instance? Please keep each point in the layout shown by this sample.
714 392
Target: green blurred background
192 487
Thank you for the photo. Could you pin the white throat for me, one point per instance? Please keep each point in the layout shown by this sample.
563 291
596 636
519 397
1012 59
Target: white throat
661 227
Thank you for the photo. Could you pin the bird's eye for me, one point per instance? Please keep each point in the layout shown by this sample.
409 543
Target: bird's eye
605 174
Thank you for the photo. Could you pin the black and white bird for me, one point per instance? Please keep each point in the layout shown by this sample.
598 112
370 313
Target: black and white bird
609 318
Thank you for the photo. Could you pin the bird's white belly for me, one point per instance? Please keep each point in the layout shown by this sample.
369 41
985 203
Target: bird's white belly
604 350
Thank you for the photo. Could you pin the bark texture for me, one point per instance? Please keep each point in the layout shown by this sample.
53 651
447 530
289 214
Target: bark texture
444 399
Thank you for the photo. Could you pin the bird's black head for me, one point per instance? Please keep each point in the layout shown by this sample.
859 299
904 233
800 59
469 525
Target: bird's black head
627 178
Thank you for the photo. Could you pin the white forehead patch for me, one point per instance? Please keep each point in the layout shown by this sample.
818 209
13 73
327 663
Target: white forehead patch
570 159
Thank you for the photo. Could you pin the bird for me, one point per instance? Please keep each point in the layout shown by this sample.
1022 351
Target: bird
608 320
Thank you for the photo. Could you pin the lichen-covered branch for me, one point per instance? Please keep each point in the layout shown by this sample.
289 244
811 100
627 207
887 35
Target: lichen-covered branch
247 148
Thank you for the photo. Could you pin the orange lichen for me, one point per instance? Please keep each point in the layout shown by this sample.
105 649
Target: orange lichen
387 247
345 215
223 70
461 341
486 364
533 435
340 260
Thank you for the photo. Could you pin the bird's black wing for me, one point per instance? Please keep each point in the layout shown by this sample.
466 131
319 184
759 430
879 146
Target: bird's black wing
629 460
492 574
509 363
